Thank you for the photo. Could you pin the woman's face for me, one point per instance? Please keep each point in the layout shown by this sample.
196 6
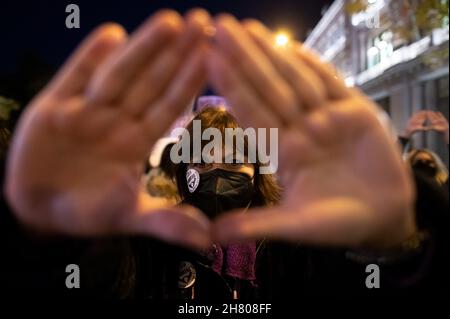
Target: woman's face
423 157
425 163
218 187
246 168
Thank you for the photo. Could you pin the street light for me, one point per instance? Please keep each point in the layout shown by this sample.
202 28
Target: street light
282 39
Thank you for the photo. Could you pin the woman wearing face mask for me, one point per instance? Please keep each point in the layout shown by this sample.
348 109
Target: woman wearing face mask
215 188
432 179
429 164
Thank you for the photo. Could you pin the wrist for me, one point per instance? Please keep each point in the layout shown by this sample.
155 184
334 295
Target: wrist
393 236
410 247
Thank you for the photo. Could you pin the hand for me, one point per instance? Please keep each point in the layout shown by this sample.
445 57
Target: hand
344 179
416 124
439 123
77 156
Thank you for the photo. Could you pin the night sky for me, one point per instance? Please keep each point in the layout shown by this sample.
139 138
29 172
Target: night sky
38 27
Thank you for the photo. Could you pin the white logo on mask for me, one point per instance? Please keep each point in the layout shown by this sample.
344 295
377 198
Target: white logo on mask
193 179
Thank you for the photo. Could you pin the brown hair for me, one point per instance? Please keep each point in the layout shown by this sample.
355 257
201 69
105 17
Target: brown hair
267 189
442 172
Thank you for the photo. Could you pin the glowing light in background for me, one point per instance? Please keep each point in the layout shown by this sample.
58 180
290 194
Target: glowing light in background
282 39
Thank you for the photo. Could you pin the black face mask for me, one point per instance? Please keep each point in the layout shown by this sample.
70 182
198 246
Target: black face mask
219 191
425 167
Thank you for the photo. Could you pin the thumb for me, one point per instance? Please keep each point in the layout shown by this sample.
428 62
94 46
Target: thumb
336 221
183 226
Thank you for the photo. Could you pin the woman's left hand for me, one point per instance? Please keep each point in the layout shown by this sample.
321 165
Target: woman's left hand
344 179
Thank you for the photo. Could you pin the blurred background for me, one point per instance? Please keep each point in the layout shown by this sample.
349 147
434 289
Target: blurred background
396 51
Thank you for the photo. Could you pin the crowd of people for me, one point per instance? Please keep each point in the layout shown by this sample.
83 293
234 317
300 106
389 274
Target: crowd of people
344 196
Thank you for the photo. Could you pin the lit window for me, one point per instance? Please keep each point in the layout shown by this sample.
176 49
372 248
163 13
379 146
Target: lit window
381 50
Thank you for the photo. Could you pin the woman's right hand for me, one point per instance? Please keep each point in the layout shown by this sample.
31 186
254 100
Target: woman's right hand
77 154
416 123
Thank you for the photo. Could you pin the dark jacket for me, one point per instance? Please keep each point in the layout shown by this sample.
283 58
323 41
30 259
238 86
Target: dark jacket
143 268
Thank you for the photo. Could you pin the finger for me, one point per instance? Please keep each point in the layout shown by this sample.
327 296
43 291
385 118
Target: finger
334 84
302 144
308 86
184 226
433 118
80 67
233 40
422 113
86 123
436 116
118 73
329 222
421 116
159 72
186 85
248 105
428 115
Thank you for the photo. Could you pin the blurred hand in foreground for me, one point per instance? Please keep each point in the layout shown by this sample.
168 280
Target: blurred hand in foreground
344 179
77 156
